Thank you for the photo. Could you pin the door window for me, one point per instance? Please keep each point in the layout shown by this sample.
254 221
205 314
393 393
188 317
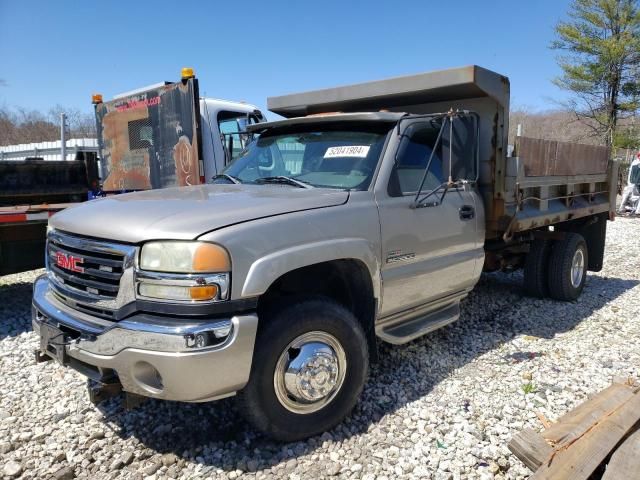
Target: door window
416 148
232 127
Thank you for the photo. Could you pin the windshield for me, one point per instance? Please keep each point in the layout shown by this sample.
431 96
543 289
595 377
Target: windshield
332 158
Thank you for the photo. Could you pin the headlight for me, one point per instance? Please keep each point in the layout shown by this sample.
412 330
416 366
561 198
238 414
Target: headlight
183 272
184 257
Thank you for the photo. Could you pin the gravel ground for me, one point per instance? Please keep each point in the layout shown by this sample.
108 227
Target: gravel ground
442 407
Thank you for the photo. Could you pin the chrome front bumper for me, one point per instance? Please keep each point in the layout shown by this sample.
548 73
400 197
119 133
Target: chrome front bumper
173 359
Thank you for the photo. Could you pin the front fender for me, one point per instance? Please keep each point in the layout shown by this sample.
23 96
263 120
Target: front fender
266 270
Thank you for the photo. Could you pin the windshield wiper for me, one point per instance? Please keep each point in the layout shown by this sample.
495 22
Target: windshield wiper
283 179
226 176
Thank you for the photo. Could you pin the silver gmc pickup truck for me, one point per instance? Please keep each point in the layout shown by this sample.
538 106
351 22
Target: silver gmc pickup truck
366 215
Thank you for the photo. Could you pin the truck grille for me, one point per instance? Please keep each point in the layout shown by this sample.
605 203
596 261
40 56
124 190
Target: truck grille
88 274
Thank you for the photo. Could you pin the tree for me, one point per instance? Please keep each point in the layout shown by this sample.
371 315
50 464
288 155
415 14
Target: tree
602 63
19 125
80 124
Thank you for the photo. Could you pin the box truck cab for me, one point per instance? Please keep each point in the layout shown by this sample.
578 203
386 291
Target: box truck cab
166 135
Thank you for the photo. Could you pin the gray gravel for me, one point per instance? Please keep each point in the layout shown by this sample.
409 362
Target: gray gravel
442 407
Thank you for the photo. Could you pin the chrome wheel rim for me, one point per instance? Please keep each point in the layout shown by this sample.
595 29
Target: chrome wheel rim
310 372
577 268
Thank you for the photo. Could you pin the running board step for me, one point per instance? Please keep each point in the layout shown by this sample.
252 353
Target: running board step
412 328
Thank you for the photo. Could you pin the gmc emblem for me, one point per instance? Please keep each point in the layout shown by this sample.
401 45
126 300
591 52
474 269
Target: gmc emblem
69 262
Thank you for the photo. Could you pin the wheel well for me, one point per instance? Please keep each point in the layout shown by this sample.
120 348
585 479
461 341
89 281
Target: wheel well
347 282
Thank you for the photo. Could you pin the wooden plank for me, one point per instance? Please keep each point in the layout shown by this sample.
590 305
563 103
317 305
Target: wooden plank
576 422
529 446
625 462
579 460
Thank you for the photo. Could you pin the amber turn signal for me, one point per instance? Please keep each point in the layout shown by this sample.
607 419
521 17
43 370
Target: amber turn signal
211 258
204 292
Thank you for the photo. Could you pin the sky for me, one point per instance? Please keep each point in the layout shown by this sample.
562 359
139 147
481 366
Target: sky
60 52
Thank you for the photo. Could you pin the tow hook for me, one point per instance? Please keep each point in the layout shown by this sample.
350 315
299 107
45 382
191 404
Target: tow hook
131 400
41 357
99 392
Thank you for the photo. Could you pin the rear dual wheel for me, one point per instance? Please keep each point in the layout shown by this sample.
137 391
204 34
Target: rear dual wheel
568 267
536 269
557 269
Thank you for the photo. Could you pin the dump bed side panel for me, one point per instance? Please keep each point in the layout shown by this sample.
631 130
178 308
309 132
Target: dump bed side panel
547 157
151 139
549 182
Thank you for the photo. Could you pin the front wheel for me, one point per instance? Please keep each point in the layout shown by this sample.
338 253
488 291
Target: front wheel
309 366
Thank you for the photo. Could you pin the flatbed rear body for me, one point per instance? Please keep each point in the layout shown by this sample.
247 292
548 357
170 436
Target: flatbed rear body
31 191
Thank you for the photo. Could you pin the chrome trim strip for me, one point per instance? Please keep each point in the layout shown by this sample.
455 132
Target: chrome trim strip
221 280
63 288
95 284
88 244
158 338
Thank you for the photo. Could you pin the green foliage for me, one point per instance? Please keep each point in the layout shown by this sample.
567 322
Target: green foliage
602 62
528 388
627 137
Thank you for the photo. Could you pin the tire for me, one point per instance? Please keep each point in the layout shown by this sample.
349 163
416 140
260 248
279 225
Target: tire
287 418
536 283
561 262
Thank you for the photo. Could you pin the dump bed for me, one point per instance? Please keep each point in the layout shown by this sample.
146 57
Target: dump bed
151 138
548 182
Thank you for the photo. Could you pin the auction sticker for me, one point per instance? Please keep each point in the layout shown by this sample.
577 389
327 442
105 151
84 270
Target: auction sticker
358 151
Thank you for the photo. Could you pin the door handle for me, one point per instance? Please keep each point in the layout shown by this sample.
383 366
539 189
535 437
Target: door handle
467 212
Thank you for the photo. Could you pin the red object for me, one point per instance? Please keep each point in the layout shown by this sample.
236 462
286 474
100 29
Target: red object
69 262
11 218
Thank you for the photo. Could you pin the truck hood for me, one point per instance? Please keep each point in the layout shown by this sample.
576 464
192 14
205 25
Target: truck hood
187 212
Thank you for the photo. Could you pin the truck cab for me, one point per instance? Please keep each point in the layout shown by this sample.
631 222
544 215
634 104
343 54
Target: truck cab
167 135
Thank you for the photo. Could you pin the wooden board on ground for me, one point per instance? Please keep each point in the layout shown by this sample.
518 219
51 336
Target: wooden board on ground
576 422
529 446
581 440
625 461
581 458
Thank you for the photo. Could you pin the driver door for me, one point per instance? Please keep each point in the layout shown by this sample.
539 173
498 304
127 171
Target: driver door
428 253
